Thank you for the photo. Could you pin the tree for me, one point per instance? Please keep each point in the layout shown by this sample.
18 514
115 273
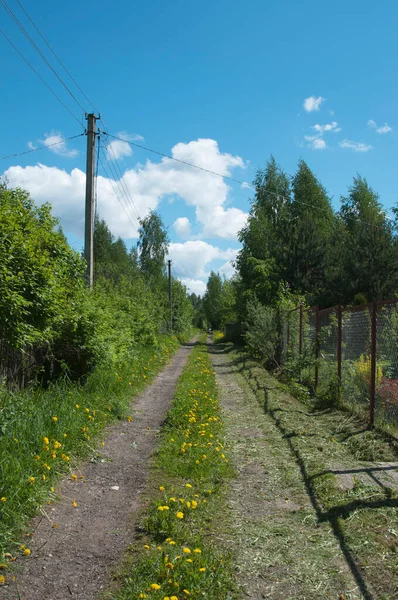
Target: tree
371 257
261 263
153 244
212 300
311 227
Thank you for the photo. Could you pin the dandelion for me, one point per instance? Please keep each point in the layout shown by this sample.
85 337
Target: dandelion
173 598
102 444
46 441
186 550
142 596
155 586
172 543
43 477
77 406
161 488
27 552
3 499
74 503
186 592
2 579
146 546
180 515
194 504
74 477
86 410
161 508
188 485
129 419
37 457
32 479
202 569
198 551
189 560
55 525
55 419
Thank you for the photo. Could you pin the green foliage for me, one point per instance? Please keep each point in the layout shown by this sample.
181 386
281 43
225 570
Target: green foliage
219 301
262 335
153 244
41 277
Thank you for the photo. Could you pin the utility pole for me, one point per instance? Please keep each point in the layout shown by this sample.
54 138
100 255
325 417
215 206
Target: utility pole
89 215
170 307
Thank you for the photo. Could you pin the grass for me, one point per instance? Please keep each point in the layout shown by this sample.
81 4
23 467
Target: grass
44 432
176 557
363 518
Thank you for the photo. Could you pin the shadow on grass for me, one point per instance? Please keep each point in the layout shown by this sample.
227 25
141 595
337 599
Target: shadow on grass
335 514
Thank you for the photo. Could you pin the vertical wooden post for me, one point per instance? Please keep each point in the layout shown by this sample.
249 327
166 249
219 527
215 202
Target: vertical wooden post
372 387
317 344
301 330
339 340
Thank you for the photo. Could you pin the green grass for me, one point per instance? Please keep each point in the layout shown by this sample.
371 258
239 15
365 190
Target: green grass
363 519
177 558
43 432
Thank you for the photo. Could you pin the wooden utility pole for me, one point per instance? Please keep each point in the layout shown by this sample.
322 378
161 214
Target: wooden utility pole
89 215
170 307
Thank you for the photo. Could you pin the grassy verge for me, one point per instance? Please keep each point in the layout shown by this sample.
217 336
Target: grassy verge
43 432
176 558
326 445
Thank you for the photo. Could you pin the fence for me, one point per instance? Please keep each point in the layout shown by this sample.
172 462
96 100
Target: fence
348 351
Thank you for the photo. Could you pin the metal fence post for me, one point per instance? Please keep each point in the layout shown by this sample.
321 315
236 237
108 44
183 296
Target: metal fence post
372 387
317 343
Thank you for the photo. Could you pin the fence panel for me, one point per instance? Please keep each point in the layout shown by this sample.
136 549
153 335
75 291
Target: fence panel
308 346
386 396
328 348
356 357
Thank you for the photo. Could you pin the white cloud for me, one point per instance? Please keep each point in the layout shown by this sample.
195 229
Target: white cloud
384 129
148 184
312 103
191 259
356 146
333 126
182 227
116 149
56 143
316 142
194 286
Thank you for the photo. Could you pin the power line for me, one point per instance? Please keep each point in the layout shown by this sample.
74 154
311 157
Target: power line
40 53
183 162
122 181
116 181
57 57
73 137
40 77
116 191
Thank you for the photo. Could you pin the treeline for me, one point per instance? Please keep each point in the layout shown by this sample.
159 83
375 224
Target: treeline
293 236
296 247
46 308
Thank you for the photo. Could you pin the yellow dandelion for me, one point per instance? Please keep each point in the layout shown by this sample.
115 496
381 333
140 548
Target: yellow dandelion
161 488
188 485
194 504
74 503
202 569
74 477
52 490
2 579
155 586
32 479
54 418
189 560
161 508
186 550
27 552
3 499
180 515
146 546
46 441
197 551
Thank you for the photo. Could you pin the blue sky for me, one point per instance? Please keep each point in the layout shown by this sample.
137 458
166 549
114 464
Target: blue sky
222 84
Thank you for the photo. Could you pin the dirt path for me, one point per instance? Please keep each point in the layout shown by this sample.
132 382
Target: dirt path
284 552
74 560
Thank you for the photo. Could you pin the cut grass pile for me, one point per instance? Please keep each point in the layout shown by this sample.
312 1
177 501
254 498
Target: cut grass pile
43 432
176 559
325 445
